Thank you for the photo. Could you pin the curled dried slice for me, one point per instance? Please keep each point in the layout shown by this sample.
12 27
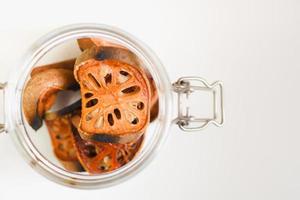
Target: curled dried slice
66 64
154 110
99 157
40 92
86 43
60 131
107 53
99 50
154 103
115 101
74 107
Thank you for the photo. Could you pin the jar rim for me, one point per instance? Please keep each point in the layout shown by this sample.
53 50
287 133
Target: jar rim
15 122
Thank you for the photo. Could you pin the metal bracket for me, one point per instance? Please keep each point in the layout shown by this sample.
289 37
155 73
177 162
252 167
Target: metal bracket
188 85
2 125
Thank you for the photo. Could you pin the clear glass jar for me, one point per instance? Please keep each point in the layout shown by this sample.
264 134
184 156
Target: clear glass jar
15 123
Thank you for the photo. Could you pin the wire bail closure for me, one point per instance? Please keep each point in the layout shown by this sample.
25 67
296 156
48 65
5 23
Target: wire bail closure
2 125
186 86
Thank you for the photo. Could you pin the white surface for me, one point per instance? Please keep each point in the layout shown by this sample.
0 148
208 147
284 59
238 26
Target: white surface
252 45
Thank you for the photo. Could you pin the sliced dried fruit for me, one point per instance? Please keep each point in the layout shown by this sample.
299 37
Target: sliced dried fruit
60 130
154 111
66 64
70 108
115 101
40 92
98 157
99 51
107 53
154 103
86 43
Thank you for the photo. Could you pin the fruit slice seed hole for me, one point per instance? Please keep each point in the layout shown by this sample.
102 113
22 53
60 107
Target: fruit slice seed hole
124 73
88 95
91 103
140 106
99 122
107 78
132 89
110 119
90 151
94 80
117 113
135 121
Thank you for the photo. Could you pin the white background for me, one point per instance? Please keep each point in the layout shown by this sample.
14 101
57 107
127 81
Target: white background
252 45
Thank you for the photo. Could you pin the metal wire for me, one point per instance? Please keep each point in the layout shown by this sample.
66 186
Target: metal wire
2 126
184 120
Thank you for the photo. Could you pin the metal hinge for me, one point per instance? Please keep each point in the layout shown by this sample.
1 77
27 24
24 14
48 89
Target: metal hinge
185 86
2 125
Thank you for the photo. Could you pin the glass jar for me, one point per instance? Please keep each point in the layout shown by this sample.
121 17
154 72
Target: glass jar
15 123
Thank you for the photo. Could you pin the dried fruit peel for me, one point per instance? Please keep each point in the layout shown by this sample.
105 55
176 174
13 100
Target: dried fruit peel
154 103
86 43
115 100
40 88
107 53
66 64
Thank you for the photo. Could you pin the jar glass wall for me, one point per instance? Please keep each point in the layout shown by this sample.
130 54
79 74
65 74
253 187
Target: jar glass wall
26 139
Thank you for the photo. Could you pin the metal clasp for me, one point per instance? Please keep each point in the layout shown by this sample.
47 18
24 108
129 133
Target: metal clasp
185 86
2 125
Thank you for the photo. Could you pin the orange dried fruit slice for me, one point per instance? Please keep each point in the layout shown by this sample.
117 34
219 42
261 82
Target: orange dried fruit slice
86 43
41 89
154 103
115 101
61 135
107 53
65 64
99 157
102 51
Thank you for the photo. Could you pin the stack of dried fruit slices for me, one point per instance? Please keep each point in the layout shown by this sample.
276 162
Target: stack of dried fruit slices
105 129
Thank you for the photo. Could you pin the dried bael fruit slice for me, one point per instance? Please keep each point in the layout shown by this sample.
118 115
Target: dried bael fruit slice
66 64
99 157
86 43
102 51
115 101
154 105
60 130
70 109
41 89
108 53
